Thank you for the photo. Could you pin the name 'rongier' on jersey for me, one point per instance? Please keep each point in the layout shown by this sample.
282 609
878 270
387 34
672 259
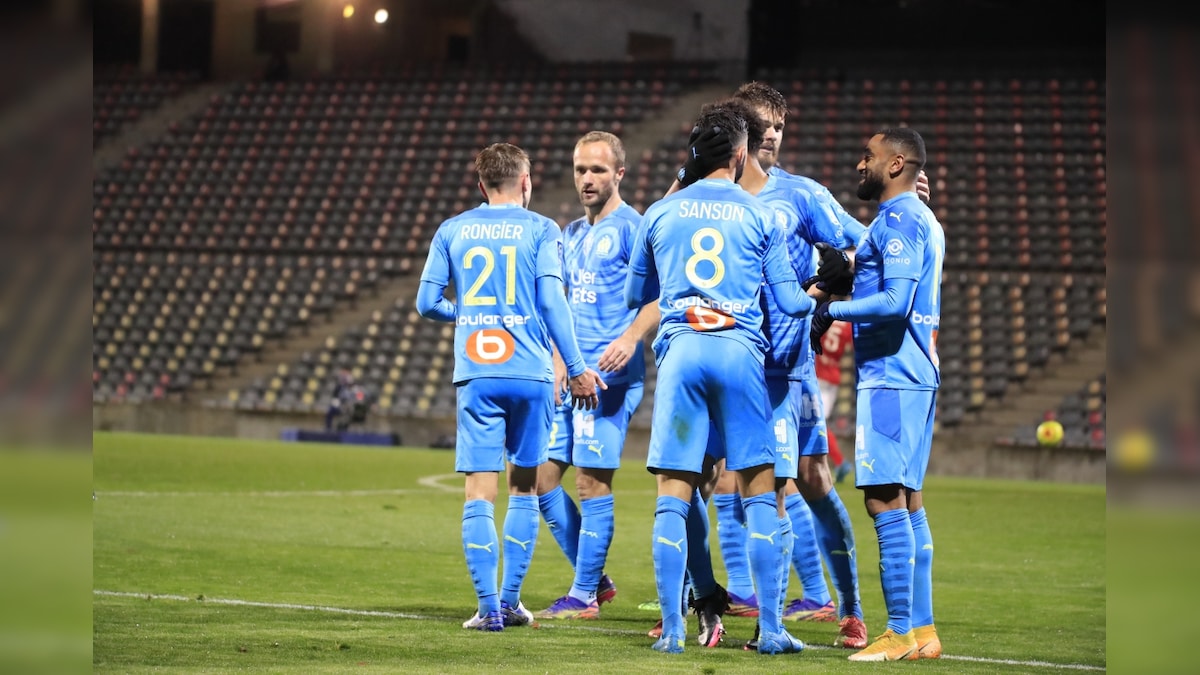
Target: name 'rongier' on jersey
491 231
711 210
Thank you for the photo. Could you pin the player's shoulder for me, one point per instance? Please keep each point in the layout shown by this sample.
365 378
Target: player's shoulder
906 213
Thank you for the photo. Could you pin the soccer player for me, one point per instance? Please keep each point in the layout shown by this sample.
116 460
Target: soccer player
896 308
829 379
596 252
810 215
505 262
709 248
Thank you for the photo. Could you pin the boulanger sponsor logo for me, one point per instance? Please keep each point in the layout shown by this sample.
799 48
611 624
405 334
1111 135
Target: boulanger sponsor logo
490 346
704 314
705 319
926 319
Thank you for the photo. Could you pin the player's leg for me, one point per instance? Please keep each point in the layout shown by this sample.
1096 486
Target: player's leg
793 440
835 535
676 457
479 454
527 440
843 464
929 646
743 419
731 537
557 508
598 446
881 452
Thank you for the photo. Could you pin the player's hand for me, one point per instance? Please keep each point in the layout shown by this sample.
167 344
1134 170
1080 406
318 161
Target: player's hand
821 321
835 275
841 285
708 150
923 186
617 354
585 389
560 379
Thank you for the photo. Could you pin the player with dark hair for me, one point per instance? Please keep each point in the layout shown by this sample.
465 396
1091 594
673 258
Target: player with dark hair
896 310
506 263
709 248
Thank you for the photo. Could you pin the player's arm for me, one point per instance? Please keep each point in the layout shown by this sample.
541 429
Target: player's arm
431 299
432 304
641 280
619 351
556 313
781 277
893 303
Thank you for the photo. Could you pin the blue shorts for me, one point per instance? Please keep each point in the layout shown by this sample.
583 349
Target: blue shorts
702 378
783 428
502 419
594 439
893 437
809 412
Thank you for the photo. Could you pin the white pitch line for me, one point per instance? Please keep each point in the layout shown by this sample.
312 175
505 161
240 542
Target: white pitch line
595 629
257 493
435 482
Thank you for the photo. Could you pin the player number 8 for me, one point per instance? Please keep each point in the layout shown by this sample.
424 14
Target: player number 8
709 254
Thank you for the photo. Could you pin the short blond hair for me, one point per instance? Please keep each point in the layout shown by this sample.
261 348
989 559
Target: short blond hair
501 163
614 144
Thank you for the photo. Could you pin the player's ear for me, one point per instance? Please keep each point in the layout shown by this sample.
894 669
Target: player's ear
896 165
739 157
619 174
482 191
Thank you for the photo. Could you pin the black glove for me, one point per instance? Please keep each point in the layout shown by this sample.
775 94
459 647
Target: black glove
842 285
708 150
834 263
821 321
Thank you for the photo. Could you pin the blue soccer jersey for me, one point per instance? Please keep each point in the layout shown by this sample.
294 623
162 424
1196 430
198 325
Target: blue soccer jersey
494 255
808 214
905 241
711 246
596 263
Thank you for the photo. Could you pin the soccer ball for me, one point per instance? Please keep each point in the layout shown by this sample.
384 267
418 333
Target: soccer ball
1050 433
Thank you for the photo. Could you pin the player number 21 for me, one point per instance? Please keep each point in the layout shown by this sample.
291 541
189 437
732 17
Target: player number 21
711 254
472 297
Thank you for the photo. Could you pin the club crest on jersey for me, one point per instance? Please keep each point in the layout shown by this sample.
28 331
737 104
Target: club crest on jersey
708 319
780 218
604 245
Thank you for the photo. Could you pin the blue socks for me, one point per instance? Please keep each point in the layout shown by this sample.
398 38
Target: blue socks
836 538
520 536
787 542
731 532
806 555
897 548
922 609
562 517
482 550
763 547
595 536
669 545
699 566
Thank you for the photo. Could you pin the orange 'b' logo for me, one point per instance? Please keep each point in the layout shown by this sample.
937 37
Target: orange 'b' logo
707 319
489 346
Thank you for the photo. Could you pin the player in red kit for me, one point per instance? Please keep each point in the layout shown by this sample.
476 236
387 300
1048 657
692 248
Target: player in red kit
829 377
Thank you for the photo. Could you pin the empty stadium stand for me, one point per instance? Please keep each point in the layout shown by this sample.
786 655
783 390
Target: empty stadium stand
121 95
280 203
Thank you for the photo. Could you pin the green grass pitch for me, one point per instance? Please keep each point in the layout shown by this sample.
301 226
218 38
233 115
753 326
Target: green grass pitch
217 555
